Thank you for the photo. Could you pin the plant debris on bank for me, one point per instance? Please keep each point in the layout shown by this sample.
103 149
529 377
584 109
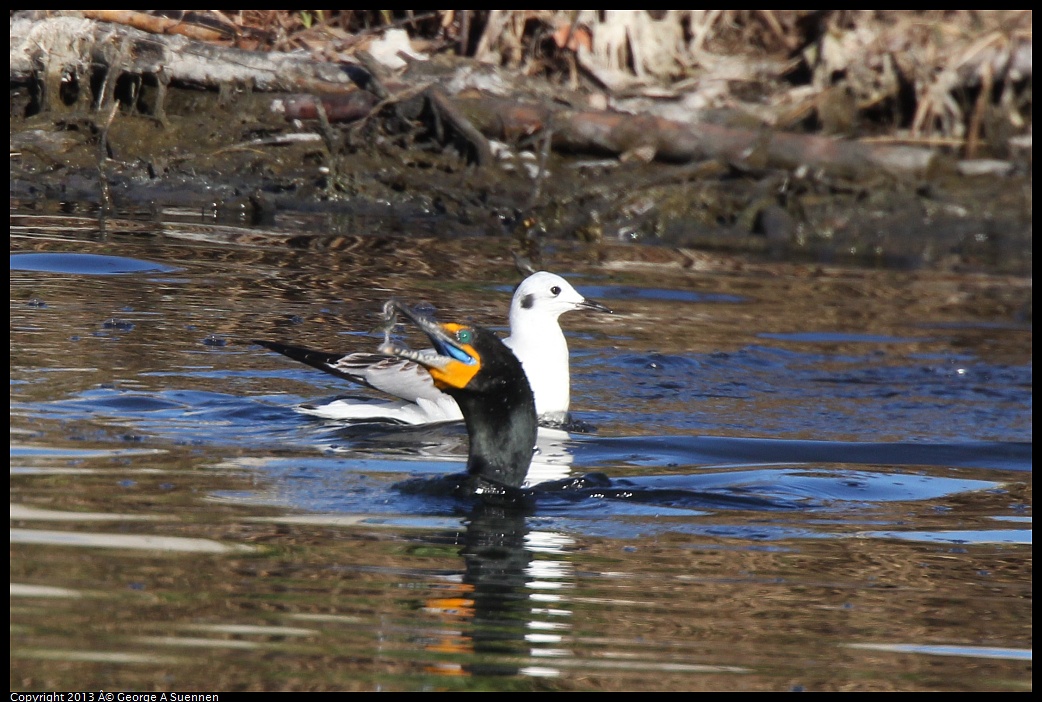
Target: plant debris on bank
884 137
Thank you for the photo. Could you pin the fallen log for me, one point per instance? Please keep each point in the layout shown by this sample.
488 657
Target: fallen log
615 134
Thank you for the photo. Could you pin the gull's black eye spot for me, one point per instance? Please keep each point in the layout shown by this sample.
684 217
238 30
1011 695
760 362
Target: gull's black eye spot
527 301
555 290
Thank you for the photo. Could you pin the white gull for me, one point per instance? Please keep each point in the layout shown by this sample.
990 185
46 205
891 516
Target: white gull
535 338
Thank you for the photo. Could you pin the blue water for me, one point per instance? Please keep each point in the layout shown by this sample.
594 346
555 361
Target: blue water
754 496
923 416
84 264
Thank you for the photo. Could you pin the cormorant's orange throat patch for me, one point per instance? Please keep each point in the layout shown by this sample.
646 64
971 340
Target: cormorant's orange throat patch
457 374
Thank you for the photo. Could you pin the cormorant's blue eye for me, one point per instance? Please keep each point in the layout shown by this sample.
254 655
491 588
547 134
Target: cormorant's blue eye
464 336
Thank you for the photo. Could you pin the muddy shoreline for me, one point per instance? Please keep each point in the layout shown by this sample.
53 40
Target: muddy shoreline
241 154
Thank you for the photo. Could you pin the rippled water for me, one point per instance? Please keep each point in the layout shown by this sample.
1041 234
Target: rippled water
802 478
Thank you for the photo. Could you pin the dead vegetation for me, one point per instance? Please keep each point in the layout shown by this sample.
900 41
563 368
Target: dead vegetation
852 131
909 74
959 78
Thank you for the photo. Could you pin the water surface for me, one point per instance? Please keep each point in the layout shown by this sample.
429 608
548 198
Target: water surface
815 479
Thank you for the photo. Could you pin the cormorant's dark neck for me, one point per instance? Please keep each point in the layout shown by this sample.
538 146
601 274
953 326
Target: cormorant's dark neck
502 426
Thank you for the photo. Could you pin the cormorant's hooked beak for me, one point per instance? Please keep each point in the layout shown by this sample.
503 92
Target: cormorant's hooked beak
455 361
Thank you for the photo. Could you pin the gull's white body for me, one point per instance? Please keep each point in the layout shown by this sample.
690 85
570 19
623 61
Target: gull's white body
535 338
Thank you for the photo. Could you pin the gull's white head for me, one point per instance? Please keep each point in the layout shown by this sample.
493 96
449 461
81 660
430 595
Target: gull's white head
547 296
